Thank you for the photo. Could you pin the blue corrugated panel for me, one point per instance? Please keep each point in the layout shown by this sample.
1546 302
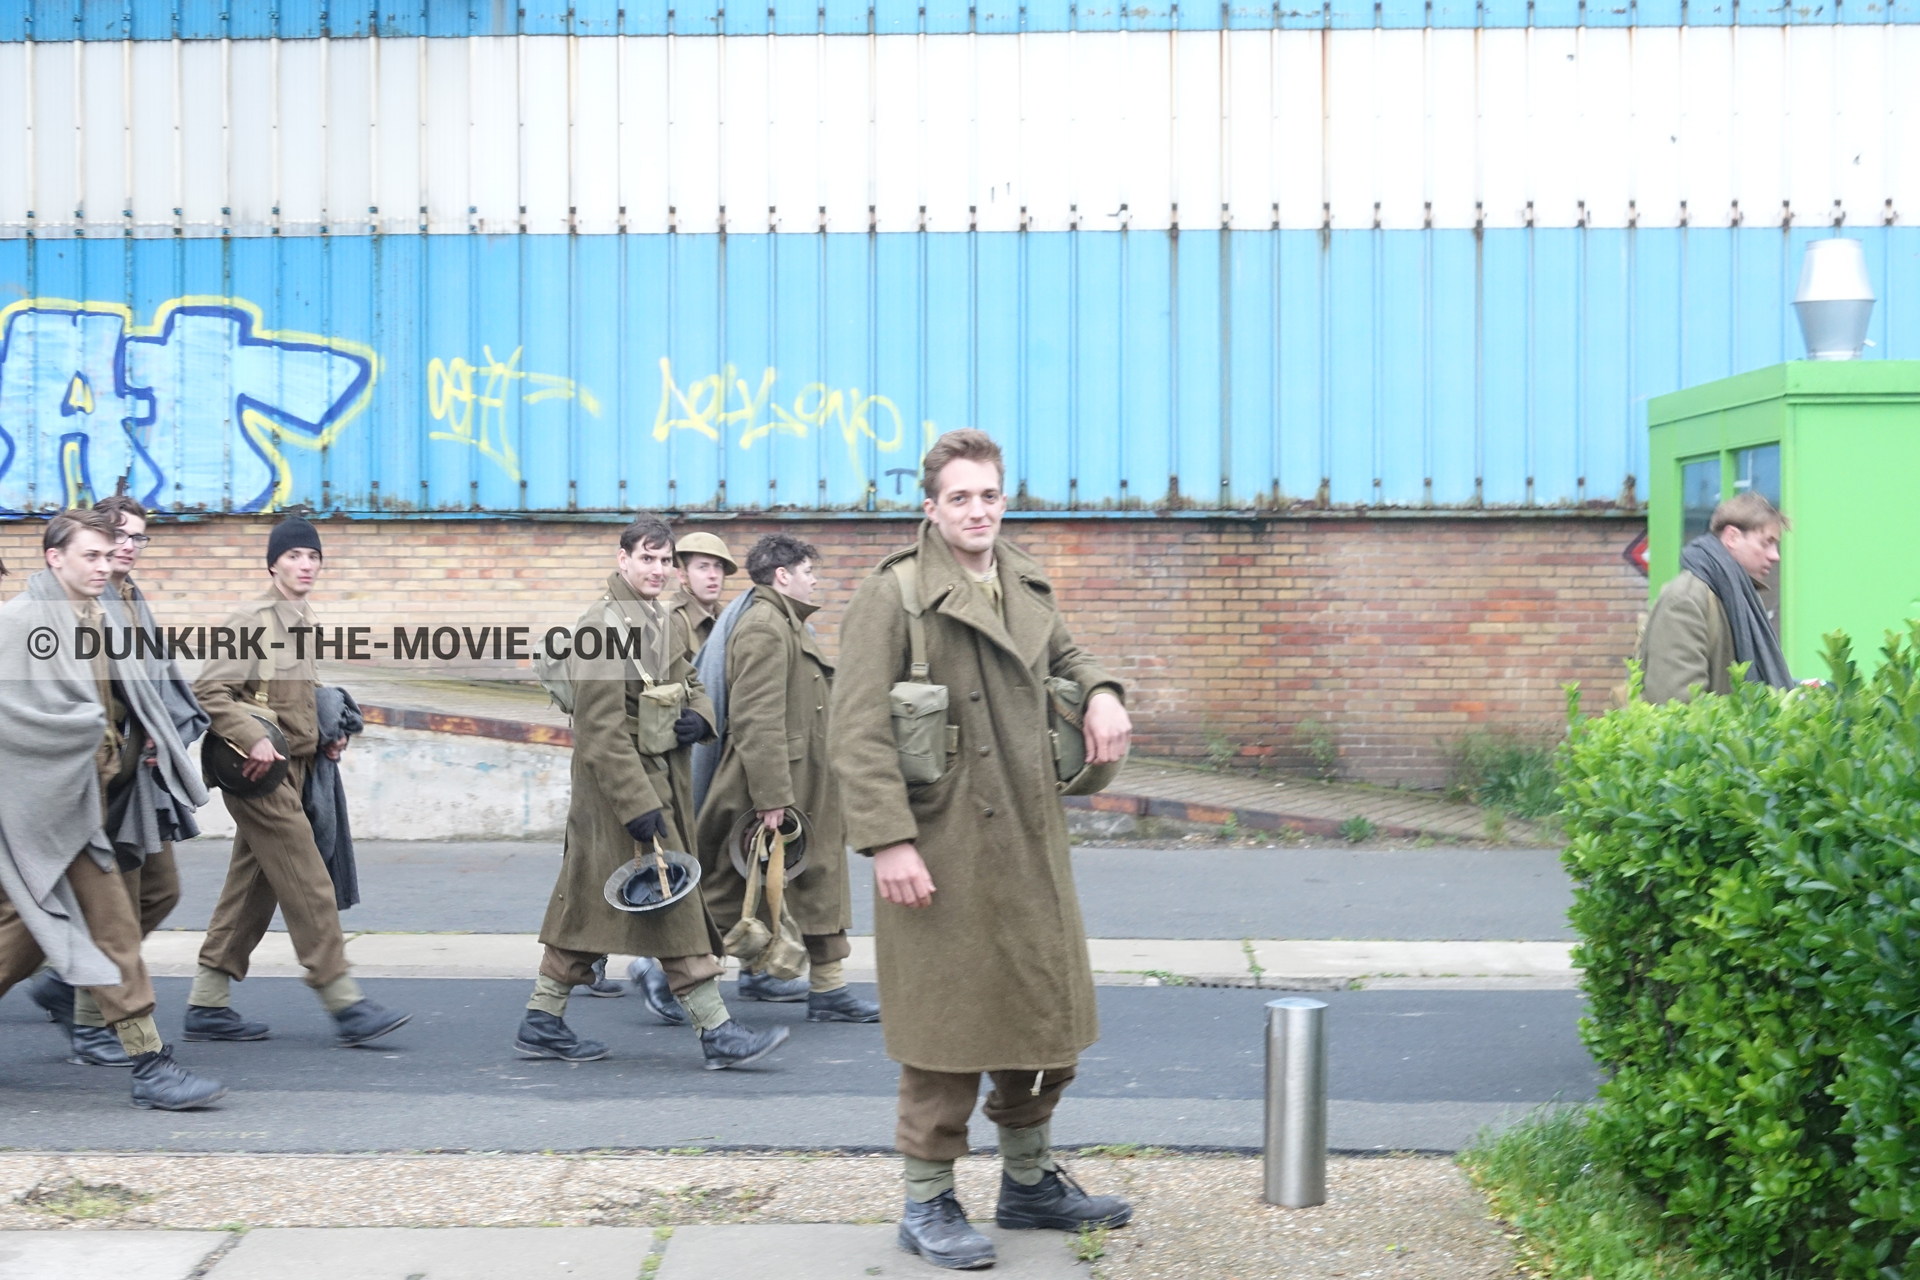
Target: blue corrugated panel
594 373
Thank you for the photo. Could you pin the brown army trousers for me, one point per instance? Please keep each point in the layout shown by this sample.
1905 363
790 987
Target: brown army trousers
107 908
935 1106
154 888
276 863
575 969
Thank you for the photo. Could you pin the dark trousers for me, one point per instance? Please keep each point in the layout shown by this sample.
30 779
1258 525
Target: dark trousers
107 910
575 969
276 863
935 1106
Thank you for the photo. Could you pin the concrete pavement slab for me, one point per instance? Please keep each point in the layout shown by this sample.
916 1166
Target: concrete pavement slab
173 953
836 1251
449 1253
123 1255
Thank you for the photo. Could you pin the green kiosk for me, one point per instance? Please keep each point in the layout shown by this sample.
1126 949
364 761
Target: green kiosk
1835 444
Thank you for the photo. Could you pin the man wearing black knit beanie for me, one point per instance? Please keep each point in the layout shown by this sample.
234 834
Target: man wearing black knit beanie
276 862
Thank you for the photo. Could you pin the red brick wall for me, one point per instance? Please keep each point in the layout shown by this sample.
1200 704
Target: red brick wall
1395 634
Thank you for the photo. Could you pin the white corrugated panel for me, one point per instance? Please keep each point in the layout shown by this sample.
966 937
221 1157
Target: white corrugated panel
873 128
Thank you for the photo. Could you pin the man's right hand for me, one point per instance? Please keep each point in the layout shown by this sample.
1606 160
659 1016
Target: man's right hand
902 876
259 760
649 826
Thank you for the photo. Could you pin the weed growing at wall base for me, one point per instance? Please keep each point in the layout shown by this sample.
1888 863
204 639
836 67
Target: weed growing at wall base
1503 770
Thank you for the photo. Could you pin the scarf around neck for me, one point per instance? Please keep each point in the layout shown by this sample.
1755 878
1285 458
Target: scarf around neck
1754 641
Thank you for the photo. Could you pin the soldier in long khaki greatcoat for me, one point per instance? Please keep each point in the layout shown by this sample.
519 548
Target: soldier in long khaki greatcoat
775 759
982 953
626 799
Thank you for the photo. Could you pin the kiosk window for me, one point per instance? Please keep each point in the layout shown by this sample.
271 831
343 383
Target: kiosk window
1699 495
1758 469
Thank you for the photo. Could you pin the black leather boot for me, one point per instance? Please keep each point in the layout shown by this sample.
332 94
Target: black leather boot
938 1231
161 1084
645 973
1057 1203
602 985
764 987
205 1022
542 1035
96 1047
735 1044
55 996
841 1005
365 1021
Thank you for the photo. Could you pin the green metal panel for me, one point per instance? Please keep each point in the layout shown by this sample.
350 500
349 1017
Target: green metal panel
1849 439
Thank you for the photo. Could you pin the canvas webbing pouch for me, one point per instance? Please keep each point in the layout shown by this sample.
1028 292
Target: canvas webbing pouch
920 731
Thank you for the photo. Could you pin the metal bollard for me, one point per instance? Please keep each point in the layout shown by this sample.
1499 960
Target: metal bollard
1296 1102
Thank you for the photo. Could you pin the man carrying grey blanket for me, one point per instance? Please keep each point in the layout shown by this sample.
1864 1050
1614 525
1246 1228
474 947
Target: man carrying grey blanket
59 745
1710 616
144 817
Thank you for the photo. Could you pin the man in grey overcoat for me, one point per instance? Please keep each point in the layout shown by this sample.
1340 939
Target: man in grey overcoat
981 950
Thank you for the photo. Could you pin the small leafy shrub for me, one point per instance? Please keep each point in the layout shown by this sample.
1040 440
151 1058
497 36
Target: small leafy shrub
1357 829
1500 769
1222 751
1748 895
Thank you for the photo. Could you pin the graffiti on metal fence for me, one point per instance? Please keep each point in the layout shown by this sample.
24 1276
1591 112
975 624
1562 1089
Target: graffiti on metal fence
477 416
703 407
201 403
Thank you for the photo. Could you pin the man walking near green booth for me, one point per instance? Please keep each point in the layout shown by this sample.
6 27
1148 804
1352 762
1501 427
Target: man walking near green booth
982 953
1710 616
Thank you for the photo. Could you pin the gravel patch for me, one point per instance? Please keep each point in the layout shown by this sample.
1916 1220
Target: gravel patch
1196 1217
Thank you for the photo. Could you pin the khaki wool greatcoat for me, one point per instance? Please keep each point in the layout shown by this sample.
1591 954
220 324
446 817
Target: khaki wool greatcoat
778 684
993 975
1687 641
614 784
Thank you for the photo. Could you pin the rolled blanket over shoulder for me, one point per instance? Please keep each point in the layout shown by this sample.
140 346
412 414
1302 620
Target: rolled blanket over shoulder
711 664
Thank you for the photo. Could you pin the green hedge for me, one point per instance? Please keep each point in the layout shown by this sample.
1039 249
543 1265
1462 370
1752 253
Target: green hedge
1748 895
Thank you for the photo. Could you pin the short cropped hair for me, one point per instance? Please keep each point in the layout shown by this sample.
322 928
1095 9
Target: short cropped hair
647 530
60 530
969 444
121 504
1748 511
777 551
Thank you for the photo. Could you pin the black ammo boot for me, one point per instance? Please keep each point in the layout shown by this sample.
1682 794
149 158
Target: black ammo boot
602 985
938 1231
161 1084
364 1021
207 1022
841 1005
52 994
766 987
542 1035
96 1047
735 1044
1057 1202
646 974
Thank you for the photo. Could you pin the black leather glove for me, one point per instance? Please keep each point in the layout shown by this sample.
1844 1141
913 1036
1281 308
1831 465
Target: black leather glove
649 826
690 727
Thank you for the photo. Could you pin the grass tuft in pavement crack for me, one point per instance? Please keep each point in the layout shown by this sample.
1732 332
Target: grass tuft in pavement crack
1358 829
1089 1243
1254 966
1569 1215
79 1201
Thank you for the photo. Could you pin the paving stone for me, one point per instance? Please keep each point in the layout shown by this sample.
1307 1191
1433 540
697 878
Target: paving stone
831 1251
123 1255
459 1253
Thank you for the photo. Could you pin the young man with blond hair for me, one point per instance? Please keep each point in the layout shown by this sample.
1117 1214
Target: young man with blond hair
982 953
1710 617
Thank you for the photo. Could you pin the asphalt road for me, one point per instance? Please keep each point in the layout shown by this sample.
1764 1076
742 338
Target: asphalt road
1420 894
1176 1067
